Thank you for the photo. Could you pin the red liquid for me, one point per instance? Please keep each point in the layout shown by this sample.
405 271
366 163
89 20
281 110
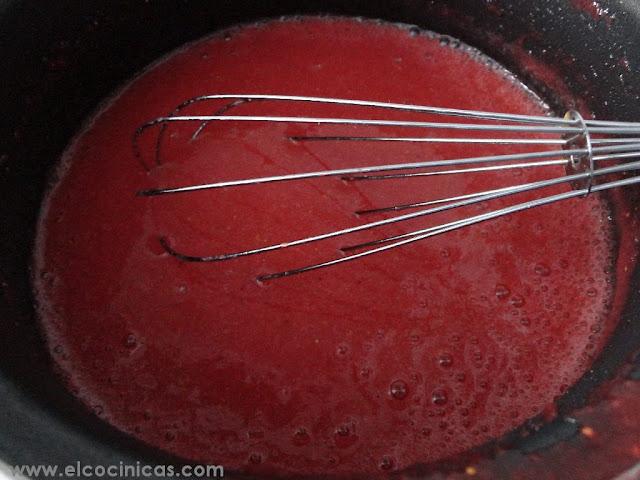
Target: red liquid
413 355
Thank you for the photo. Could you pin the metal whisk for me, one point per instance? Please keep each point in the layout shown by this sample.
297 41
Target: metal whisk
590 150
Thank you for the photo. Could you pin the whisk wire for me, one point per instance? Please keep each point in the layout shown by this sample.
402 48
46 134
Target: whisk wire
448 227
389 167
585 143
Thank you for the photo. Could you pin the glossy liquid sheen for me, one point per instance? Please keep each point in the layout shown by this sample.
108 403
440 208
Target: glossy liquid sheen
406 357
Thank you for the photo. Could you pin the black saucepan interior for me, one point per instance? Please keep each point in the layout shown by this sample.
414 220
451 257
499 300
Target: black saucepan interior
60 59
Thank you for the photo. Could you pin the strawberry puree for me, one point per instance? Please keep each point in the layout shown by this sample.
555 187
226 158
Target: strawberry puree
406 357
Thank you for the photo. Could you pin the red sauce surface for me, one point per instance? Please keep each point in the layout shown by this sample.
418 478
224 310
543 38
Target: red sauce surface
405 357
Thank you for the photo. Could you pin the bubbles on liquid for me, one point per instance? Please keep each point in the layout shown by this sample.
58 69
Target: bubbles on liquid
170 436
386 463
517 301
131 341
98 410
445 360
542 270
345 435
342 350
301 437
439 397
592 292
414 31
398 389
502 292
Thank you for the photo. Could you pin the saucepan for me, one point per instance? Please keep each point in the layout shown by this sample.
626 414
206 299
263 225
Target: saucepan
60 59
